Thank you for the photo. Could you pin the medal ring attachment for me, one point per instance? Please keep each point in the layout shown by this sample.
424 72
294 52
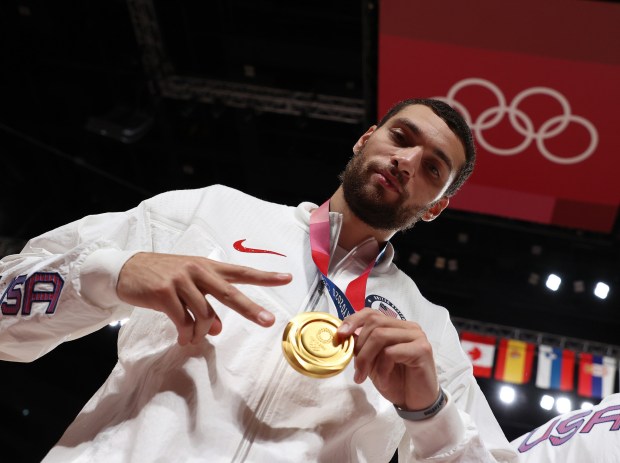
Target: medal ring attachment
309 345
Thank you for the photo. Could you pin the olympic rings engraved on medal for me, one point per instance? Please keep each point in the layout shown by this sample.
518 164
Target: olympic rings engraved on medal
521 122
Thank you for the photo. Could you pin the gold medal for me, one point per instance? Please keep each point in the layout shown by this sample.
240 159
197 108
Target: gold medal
309 345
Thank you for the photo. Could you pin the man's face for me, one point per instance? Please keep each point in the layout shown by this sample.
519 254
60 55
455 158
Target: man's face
400 171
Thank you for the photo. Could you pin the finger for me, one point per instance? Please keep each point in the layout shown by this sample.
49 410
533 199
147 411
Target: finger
353 323
194 300
417 353
203 323
383 369
216 326
365 321
181 319
371 343
377 326
247 275
186 330
233 298
202 313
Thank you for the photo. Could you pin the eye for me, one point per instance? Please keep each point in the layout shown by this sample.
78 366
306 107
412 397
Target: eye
398 136
434 170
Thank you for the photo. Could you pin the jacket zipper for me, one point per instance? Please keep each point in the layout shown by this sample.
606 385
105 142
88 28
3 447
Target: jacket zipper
266 399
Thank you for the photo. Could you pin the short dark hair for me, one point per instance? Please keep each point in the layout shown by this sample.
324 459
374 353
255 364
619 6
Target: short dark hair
456 123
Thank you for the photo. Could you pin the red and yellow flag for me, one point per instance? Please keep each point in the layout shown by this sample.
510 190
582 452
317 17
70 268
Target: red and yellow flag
514 361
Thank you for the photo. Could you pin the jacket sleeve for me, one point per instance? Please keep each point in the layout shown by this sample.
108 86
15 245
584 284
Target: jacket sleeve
63 284
465 429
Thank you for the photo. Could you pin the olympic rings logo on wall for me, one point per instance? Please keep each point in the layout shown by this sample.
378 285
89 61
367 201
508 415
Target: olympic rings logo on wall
521 122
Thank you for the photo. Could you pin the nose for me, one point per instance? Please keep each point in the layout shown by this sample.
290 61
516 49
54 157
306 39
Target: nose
408 160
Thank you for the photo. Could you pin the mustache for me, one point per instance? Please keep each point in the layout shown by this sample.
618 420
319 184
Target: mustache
394 172
397 174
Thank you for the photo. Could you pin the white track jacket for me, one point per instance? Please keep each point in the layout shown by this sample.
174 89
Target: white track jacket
576 437
233 397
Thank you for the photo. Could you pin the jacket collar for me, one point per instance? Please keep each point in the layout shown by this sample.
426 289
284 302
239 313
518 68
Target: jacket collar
365 250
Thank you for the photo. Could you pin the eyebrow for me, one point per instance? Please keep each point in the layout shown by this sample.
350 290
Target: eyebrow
416 131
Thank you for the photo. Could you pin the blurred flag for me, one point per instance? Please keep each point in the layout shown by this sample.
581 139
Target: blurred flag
514 361
481 351
556 368
597 374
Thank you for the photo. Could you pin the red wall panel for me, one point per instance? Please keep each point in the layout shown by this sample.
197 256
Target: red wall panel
539 83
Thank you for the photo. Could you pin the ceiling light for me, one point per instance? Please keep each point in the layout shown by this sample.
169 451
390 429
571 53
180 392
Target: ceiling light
440 263
579 286
601 290
587 405
547 402
414 258
563 405
533 279
249 70
507 394
553 282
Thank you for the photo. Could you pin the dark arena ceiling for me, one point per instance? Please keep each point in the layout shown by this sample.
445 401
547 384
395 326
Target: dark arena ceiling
107 102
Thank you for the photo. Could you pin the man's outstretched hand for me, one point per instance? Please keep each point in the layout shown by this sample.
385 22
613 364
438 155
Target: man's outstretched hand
177 285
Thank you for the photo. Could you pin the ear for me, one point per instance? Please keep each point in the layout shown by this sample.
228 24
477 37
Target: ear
433 212
359 145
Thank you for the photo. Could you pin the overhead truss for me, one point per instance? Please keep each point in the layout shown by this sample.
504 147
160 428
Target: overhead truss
164 80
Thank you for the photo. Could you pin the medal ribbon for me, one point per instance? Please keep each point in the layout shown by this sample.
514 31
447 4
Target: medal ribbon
352 299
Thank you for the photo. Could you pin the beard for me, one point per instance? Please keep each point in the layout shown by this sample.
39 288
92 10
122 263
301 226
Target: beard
369 201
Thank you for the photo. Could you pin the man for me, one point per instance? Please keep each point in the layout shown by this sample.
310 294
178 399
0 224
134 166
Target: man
196 381
576 437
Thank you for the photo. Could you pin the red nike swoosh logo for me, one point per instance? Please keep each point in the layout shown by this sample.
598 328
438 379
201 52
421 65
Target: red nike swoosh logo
238 245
